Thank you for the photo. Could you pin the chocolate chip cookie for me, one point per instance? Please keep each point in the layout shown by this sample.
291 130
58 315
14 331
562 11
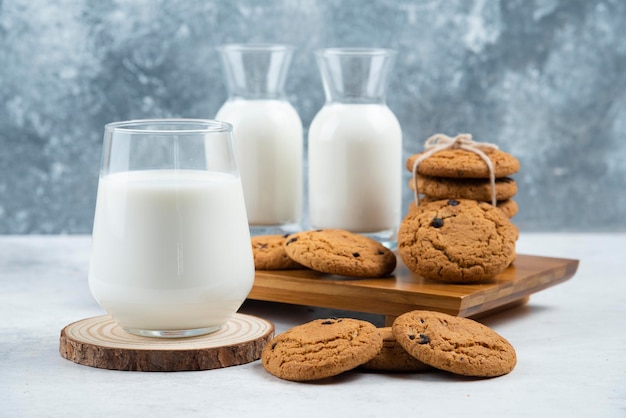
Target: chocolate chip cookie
455 344
336 251
476 189
457 241
321 348
393 358
269 253
459 163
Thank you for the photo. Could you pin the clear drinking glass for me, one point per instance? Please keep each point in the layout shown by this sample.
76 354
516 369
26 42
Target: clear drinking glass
171 254
355 146
267 133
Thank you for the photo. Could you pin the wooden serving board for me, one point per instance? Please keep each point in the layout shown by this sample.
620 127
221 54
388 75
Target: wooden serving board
100 342
406 291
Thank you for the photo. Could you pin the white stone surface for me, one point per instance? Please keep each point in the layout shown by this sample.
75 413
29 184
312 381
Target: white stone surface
570 341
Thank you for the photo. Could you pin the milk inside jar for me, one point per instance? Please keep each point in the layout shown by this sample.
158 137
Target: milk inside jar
355 147
267 133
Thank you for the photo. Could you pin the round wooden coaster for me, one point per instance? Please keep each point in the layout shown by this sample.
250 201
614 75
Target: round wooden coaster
100 342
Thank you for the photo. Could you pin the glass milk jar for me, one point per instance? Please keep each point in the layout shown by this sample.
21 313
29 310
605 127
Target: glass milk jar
267 133
355 147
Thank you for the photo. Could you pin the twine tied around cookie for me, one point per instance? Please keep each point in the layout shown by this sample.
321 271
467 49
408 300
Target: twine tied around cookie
440 142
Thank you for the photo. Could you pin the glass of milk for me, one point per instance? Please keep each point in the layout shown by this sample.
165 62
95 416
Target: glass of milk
267 132
171 253
355 147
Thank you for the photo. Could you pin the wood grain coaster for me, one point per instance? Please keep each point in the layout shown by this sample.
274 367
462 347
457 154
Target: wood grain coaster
100 342
405 291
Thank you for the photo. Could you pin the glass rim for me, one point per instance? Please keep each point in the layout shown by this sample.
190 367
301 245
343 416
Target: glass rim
191 126
256 47
357 51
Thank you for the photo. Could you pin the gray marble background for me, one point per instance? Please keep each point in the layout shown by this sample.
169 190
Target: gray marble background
544 79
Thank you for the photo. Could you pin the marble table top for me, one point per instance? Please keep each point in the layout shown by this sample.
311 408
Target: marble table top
570 341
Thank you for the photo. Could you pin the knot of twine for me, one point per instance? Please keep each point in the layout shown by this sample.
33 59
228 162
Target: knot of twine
440 142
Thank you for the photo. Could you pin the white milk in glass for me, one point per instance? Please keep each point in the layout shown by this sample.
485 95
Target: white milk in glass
268 147
355 171
155 262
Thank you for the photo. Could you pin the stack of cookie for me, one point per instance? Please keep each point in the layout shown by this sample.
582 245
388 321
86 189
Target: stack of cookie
332 251
456 233
457 173
417 341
